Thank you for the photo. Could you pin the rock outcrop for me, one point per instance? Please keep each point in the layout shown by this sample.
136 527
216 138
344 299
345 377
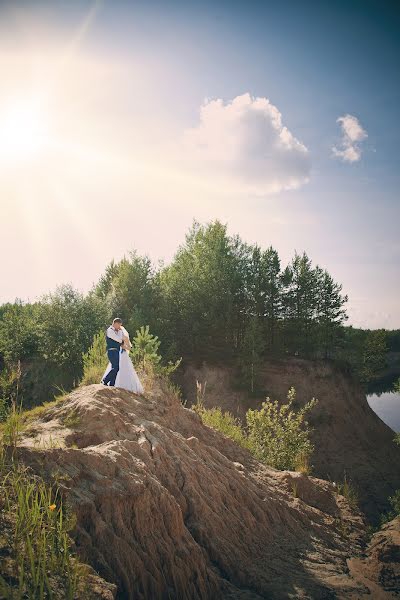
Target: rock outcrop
168 508
349 437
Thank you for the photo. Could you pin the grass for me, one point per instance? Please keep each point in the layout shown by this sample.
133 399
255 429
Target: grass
18 419
224 422
35 527
93 374
347 489
72 419
36 558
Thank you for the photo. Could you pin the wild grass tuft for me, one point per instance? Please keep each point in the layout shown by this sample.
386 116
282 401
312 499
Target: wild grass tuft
348 490
36 525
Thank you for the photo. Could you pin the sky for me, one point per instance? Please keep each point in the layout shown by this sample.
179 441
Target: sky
121 122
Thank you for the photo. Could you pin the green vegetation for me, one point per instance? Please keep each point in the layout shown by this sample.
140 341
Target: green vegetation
37 561
95 360
145 348
226 423
348 490
220 300
280 435
276 435
35 526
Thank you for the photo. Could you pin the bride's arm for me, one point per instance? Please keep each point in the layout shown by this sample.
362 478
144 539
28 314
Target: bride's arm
127 341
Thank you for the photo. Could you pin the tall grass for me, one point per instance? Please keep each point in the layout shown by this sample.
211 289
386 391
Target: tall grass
348 490
37 526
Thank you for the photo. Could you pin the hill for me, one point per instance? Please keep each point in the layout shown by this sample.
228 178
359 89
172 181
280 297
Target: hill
168 508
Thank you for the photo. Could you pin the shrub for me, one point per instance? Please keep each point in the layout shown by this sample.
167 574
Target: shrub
95 360
279 436
395 510
145 348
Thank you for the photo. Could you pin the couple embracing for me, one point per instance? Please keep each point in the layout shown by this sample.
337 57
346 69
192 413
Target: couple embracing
120 371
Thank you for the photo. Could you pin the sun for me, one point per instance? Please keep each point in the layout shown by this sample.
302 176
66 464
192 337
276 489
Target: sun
22 130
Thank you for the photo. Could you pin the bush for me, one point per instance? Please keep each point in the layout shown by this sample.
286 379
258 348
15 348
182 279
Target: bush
95 360
395 510
278 435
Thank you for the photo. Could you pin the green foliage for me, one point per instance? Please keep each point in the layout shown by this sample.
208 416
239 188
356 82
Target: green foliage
220 299
67 324
223 422
12 427
145 348
36 525
395 508
251 353
10 379
279 435
18 331
374 355
348 490
128 289
95 360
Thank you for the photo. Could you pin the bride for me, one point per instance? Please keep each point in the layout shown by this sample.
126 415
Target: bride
126 377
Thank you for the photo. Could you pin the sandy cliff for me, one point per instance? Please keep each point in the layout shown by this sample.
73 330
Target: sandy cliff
348 436
168 508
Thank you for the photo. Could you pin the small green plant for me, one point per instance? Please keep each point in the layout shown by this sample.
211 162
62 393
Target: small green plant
395 508
12 427
280 436
397 438
4 409
145 348
348 490
10 379
95 360
72 419
200 395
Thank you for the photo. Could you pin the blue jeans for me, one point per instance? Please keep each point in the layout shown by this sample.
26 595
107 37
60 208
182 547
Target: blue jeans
113 357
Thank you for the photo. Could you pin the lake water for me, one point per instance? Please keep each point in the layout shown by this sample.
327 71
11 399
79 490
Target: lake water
387 407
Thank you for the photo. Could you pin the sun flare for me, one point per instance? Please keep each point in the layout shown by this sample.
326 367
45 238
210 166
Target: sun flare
22 130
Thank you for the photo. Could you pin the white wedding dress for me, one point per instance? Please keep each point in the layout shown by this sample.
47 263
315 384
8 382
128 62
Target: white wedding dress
127 377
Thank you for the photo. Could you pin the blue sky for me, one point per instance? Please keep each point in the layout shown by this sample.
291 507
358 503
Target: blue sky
124 141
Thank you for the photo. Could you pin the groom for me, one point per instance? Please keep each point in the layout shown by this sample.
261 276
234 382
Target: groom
114 339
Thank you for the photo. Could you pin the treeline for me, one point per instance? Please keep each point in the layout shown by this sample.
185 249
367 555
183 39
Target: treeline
220 300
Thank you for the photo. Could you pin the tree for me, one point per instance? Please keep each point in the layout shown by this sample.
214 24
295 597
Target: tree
201 290
95 360
299 304
374 355
330 314
145 347
251 352
67 324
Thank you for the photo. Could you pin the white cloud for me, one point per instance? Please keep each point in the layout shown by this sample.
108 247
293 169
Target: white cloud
352 135
245 142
